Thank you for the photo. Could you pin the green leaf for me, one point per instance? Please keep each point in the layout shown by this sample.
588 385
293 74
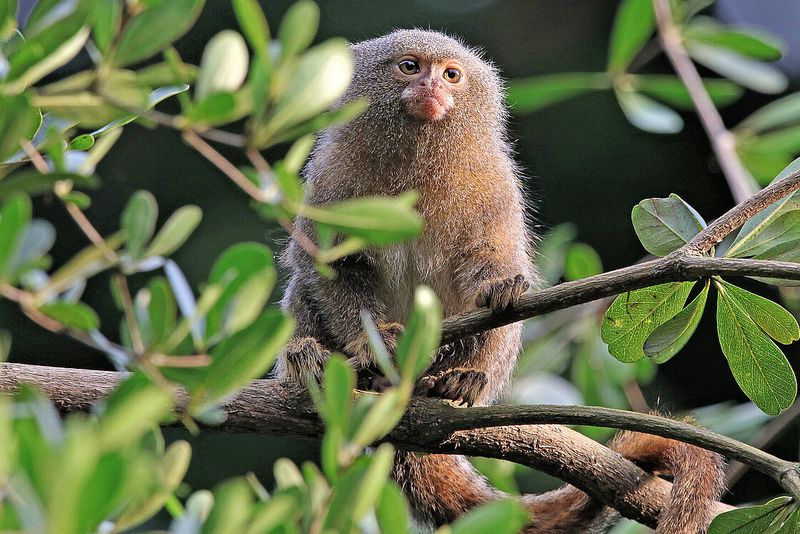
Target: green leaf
218 108
783 230
318 79
531 94
378 220
664 225
752 519
776 114
54 34
15 214
636 314
758 365
233 269
154 29
75 315
505 516
34 183
82 142
298 28
254 26
419 342
339 380
244 356
358 489
18 123
581 261
792 523
774 319
738 68
223 66
175 231
135 406
670 89
392 511
647 114
763 219
139 221
633 25
340 115
669 338
8 18
161 310
383 413
233 501
106 19
748 42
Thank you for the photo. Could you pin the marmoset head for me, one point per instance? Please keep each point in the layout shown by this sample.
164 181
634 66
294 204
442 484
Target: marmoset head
426 76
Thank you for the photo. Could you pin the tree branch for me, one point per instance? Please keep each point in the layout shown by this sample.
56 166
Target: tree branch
685 264
723 142
267 407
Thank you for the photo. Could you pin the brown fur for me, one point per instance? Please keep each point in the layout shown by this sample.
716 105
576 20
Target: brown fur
475 250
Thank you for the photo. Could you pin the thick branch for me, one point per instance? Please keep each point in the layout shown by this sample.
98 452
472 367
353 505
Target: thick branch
267 407
723 142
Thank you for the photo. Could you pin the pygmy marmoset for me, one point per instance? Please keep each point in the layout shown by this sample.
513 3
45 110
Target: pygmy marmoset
436 124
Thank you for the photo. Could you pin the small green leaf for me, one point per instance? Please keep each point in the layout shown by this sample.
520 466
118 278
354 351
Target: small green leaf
254 25
748 42
233 269
633 25
18 124
417 345
738 68
378 220
505 516
664 225
392 511
341 115
758 365
223 66
636 314
669 338
670 89
581 261
215 109
233 501
106 18
154 29
531 94
287 474
774 319
135 406
383 414
339 380
778 113
244 356
783 230
752 519
175 231
139 221
82 142
75 315
15 215
298 28
647 114
8 18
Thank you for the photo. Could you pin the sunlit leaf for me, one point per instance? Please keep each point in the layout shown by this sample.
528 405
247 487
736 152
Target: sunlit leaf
758 365
636 314
391 511
339 381
72 315
581 261
774 319
175 232
15 214
777 113
420 340
647 114
748 72
223 66
254 25
298 28
783 230
750 42
505 516
106 18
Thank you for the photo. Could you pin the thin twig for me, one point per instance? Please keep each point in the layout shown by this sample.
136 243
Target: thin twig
130 319
723 141
228 168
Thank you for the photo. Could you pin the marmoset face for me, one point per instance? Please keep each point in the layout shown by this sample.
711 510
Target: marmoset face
430 86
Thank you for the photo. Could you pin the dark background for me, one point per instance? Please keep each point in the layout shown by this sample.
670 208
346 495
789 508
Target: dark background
584 162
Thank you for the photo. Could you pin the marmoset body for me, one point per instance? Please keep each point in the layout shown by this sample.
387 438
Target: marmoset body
436 123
